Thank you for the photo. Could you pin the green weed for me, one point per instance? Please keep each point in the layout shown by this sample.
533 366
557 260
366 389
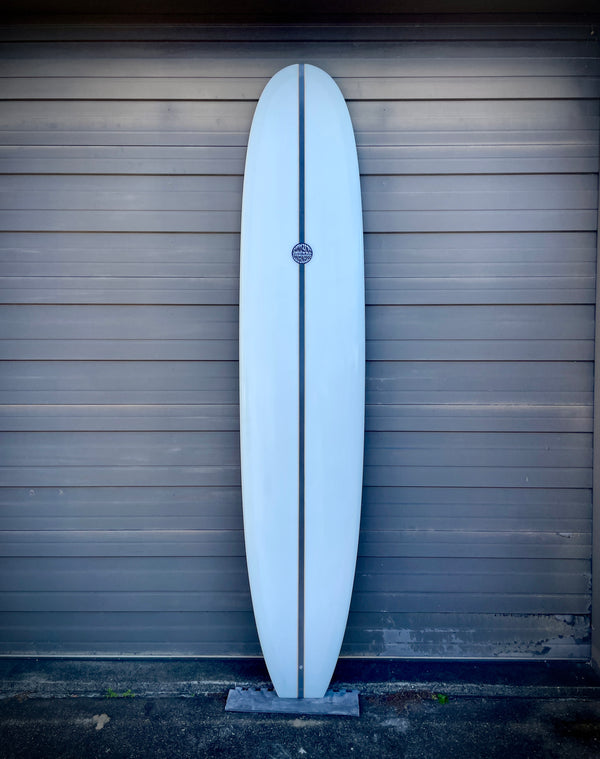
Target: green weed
110 693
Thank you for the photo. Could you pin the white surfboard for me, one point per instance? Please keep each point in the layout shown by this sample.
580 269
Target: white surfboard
302 374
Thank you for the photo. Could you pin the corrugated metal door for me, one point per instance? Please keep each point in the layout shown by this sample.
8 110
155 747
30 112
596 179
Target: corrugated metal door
121 155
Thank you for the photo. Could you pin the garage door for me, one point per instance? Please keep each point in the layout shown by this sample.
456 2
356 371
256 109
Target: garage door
122 153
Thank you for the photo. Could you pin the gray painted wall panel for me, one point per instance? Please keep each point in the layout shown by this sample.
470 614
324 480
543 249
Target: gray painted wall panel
244 87
244 58
120 511
401 269
228 122
554 155
387 193
388 382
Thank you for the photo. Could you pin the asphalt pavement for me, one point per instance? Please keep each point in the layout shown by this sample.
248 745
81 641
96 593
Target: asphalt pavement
414 710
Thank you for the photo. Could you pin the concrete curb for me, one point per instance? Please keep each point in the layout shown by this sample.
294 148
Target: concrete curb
151 678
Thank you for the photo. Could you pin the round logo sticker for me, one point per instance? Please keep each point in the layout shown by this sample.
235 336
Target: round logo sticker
302 253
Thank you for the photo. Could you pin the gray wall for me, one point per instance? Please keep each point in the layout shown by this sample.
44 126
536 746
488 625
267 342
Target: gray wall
122 155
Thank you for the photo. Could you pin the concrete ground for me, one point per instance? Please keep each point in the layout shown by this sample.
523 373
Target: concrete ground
147 708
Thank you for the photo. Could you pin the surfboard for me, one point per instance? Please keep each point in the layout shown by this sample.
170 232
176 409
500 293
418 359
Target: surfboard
302 374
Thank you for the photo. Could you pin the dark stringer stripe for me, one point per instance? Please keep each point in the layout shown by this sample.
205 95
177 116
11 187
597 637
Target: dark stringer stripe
301 378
